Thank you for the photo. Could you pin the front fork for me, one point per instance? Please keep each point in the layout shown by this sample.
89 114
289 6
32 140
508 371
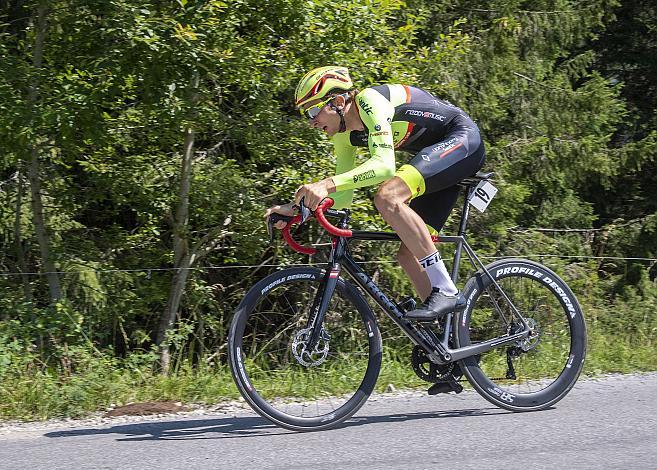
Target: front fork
325 292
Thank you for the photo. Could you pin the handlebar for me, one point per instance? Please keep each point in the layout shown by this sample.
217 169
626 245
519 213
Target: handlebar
325 205
290 241
332 229
321 218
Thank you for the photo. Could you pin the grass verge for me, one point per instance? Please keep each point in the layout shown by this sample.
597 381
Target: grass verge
30 392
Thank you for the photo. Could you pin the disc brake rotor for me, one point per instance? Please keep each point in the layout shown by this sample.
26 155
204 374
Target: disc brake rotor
303 355
534 337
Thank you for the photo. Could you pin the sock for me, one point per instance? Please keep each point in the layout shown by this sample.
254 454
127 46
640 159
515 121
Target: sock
437 272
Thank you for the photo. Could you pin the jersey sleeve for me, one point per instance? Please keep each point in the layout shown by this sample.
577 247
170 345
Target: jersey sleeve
376 113
345 154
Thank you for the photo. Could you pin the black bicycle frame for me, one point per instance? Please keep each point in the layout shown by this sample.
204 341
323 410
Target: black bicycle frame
436 348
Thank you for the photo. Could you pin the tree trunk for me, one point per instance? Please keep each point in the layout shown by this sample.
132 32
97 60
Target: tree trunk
183 259
18 240
33 167
169 315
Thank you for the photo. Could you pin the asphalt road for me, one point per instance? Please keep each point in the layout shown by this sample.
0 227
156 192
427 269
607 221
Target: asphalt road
603 423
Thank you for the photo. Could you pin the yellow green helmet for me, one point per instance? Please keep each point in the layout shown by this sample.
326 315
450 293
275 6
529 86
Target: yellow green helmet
320 82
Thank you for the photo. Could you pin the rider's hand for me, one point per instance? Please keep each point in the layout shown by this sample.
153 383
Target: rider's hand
314 193
283 209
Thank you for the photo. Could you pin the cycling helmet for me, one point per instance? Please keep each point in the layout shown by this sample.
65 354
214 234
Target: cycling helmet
321 82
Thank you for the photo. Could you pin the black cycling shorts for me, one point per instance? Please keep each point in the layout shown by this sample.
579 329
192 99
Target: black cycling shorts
433 173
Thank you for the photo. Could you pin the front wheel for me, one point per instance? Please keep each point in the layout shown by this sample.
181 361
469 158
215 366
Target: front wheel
283 380
538 371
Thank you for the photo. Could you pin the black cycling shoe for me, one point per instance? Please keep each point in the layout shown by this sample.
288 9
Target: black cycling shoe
436 306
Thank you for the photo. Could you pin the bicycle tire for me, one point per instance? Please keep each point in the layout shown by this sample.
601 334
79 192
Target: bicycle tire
559 344
278 306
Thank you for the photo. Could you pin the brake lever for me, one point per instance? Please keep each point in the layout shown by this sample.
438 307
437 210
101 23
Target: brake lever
273 218
304 211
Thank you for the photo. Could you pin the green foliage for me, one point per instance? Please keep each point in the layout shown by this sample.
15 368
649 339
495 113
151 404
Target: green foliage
563 92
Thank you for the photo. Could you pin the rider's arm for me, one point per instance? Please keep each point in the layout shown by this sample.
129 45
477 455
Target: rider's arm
376 113
344 161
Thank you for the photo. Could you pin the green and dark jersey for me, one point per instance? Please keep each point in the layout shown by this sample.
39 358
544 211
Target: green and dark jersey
396 117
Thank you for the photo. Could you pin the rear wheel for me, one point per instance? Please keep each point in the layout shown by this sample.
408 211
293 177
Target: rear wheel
540 370
278 376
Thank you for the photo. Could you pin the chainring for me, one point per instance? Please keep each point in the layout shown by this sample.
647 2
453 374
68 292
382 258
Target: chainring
428 371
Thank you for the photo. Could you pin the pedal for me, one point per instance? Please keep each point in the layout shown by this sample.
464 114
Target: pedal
456 387
446 386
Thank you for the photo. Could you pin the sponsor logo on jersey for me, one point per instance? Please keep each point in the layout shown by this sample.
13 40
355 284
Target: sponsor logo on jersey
377 128
374 134
446 145
425 114
365 106
385 146
364 176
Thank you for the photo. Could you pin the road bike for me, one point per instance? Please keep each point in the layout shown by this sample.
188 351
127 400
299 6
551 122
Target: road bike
301 332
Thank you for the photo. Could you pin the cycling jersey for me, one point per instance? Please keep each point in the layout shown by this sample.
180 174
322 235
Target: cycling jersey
398 117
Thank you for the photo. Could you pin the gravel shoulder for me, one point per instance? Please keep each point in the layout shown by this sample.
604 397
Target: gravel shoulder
234 408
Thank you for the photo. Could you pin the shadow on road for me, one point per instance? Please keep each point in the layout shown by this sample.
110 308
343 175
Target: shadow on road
248 426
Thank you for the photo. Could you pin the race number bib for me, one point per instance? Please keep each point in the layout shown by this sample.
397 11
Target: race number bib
482 195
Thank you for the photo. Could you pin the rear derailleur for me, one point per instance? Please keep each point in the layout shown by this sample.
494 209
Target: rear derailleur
523 346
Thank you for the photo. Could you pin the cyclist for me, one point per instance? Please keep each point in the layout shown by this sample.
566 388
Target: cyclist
415 199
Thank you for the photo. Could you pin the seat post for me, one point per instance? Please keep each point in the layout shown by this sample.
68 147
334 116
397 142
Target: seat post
462 226
469 184
465 212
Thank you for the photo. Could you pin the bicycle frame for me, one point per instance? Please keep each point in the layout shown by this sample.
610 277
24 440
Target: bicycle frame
436 348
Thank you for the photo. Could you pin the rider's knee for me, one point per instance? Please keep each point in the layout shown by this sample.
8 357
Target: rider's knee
389 197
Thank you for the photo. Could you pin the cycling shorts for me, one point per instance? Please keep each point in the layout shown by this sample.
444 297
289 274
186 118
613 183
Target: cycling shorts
433 173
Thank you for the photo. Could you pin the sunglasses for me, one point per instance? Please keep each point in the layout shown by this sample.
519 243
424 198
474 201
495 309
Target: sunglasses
314 110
